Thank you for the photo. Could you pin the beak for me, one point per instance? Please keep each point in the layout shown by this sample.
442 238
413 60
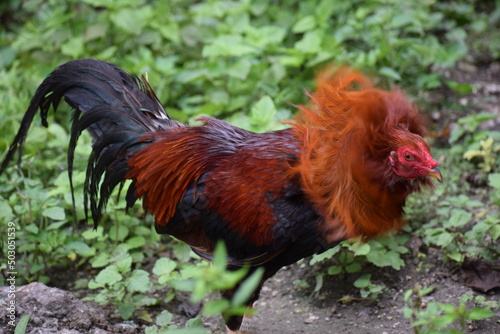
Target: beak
436 174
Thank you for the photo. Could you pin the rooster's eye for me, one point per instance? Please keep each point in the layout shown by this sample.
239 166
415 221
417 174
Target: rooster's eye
409 157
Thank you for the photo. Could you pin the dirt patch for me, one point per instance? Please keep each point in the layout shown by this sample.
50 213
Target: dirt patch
285 309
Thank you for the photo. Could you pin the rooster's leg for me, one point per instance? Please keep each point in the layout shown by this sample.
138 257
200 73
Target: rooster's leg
246 327
234 323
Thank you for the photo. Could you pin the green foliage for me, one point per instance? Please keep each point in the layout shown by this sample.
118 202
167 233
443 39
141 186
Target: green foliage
163 325
384 251
126 288
367 288
204 279
487 154
438 318
465 224
351 256
119 285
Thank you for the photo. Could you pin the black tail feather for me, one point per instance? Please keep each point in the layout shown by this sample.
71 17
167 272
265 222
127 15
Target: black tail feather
116 108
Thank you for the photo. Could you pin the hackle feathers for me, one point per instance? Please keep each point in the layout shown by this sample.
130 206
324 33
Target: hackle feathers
348 132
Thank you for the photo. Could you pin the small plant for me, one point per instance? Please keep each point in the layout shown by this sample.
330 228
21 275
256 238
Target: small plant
126 288
163 325
350 256
494 182
441 318
367 288
487 155
459 233
119 284
205 278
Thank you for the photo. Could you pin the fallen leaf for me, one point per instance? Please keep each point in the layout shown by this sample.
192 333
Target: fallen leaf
480 275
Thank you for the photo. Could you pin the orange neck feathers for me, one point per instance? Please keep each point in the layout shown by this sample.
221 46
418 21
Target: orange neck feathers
348 134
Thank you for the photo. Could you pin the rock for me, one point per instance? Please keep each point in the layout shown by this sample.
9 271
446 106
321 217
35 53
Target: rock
51 310
311 319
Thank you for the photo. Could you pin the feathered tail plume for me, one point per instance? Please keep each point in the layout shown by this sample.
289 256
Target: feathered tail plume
115 107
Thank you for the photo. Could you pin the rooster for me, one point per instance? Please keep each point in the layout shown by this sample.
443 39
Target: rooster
343 169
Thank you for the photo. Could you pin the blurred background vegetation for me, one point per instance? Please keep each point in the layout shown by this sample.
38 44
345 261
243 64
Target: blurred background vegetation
247 62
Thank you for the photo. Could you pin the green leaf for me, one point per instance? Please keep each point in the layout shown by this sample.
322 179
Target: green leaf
304 24
108 276
311 42
334 270
444 239
151 329
220 256
136 242
407 295
353 267
123 16
325 9
164 318
456 256
124 263
100 260
240 69
22 324
325 255
112 3
363 249
445 320
363 281
93 233
187 331
55 225
73 47
126 310
471 122
425 291
55 213
31 228
141 300
494 180
80 248
138 281
390 73
400 20
164 266
216 306
194 323
495 232
118 232
247 288
407 312
461 88
319 282
386 259
479 313
458 218
263 111
5 211
227 45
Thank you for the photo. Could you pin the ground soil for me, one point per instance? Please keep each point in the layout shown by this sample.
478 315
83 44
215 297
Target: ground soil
285 307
